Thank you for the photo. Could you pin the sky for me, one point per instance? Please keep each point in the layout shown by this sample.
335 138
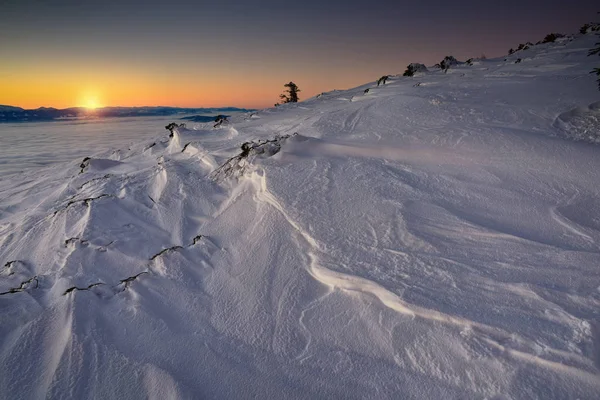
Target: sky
216 53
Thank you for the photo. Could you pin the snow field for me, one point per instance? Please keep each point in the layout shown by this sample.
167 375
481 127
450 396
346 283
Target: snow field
418 241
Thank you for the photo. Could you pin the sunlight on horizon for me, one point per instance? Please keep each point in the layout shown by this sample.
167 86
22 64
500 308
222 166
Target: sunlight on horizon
91 103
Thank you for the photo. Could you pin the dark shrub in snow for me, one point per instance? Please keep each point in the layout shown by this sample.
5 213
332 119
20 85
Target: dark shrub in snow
237 165
172 127
220 120
584 29
447 62
84 164
551 37
413 68
589 28
471 60
382 80
596 50
597 72
522 46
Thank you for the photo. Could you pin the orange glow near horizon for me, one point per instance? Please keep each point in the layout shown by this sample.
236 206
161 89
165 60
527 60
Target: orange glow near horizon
63 86
120 91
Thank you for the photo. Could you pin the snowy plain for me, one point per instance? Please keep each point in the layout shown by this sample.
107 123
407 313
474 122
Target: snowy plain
435 237
38 144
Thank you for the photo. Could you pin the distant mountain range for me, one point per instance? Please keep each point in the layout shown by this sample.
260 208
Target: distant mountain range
17 114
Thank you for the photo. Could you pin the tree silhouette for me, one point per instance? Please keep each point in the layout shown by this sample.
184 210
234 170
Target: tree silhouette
292 93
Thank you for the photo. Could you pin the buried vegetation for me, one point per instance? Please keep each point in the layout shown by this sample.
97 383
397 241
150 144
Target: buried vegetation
236 166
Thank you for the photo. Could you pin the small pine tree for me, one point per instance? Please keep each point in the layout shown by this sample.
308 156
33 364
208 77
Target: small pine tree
292 93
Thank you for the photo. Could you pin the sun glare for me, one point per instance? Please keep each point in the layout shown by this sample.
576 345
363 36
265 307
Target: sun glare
89 100
91 104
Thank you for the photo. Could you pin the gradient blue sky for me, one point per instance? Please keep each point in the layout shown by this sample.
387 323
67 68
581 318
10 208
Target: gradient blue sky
217 53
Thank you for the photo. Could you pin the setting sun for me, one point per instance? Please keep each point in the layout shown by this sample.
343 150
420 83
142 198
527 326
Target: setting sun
91 103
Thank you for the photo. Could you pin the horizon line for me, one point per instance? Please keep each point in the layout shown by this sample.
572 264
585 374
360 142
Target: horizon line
104 107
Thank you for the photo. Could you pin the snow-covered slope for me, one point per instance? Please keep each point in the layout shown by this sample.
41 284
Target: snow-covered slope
436 237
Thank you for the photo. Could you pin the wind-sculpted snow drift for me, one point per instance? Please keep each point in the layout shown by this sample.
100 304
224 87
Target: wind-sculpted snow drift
582 123
432 240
